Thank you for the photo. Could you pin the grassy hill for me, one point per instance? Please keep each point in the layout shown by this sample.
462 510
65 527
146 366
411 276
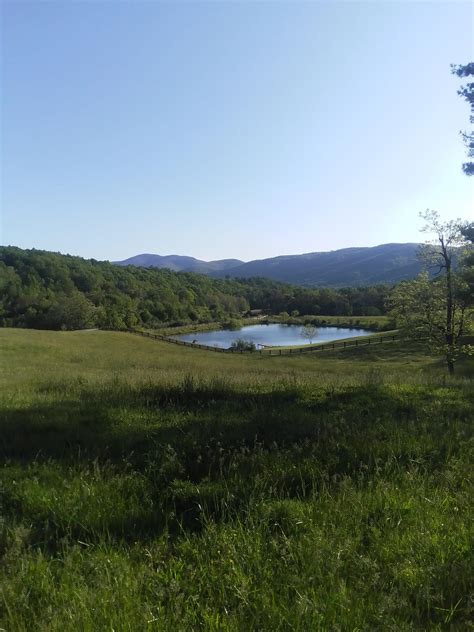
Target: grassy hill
149 486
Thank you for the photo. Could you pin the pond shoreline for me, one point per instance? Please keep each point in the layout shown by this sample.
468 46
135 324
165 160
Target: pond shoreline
270 335
373 323
336 345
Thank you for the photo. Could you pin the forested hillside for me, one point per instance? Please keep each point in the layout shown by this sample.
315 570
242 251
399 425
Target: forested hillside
347 267
46 290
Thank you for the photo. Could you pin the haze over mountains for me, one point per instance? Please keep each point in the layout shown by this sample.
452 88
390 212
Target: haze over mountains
348 267
179 263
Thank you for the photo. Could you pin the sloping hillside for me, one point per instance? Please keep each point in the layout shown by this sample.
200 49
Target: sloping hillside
388 263
348 267
47 290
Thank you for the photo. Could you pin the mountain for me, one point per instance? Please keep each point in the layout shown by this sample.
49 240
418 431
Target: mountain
348 267
178 263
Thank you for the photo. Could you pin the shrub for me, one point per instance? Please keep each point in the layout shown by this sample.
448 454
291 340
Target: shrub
232 324
243 345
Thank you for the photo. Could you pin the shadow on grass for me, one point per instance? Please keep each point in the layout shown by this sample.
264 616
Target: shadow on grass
140 423
93 424
199 451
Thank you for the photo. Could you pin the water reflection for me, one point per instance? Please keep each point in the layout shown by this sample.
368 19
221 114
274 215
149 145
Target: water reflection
273 335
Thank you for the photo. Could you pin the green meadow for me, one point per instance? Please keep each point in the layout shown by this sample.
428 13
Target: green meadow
149 486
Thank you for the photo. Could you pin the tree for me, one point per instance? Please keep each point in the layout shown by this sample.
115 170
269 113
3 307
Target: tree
467 265
70 312
467 92
309 332
435 309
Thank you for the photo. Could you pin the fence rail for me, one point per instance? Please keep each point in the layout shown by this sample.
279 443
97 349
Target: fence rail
330 346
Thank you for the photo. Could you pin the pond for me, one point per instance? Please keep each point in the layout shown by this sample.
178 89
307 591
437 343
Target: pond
274 335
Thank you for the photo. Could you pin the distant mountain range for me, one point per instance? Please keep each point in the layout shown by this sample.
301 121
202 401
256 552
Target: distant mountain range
348 267
177 263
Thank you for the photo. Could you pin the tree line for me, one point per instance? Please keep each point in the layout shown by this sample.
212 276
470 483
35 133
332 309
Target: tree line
46 290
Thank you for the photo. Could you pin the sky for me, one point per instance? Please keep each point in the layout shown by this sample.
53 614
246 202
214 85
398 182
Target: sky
229 129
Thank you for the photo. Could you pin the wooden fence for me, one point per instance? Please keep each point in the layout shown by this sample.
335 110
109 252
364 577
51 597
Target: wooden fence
329 346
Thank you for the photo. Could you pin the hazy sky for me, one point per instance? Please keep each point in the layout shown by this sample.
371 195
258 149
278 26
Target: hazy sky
230 129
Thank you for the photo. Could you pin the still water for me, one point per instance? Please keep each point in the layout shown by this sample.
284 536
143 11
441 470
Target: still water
273 335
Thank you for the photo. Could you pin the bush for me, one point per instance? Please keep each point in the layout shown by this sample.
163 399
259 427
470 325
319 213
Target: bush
232 324
243 345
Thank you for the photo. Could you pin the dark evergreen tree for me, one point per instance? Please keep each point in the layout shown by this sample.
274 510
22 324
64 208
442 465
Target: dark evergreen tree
467 92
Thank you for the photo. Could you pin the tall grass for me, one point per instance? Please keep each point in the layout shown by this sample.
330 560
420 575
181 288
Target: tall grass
297 495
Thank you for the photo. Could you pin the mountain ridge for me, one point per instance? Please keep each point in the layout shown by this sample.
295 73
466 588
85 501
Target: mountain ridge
179 263
352 266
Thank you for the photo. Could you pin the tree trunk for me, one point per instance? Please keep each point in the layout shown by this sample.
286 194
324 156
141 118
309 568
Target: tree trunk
449 335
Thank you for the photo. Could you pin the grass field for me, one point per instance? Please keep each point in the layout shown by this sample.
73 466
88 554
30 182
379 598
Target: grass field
146 486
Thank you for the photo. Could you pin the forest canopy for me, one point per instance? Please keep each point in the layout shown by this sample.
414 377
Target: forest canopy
47 290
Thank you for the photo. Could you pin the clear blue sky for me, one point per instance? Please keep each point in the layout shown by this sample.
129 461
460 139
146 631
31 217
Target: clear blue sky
230 129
